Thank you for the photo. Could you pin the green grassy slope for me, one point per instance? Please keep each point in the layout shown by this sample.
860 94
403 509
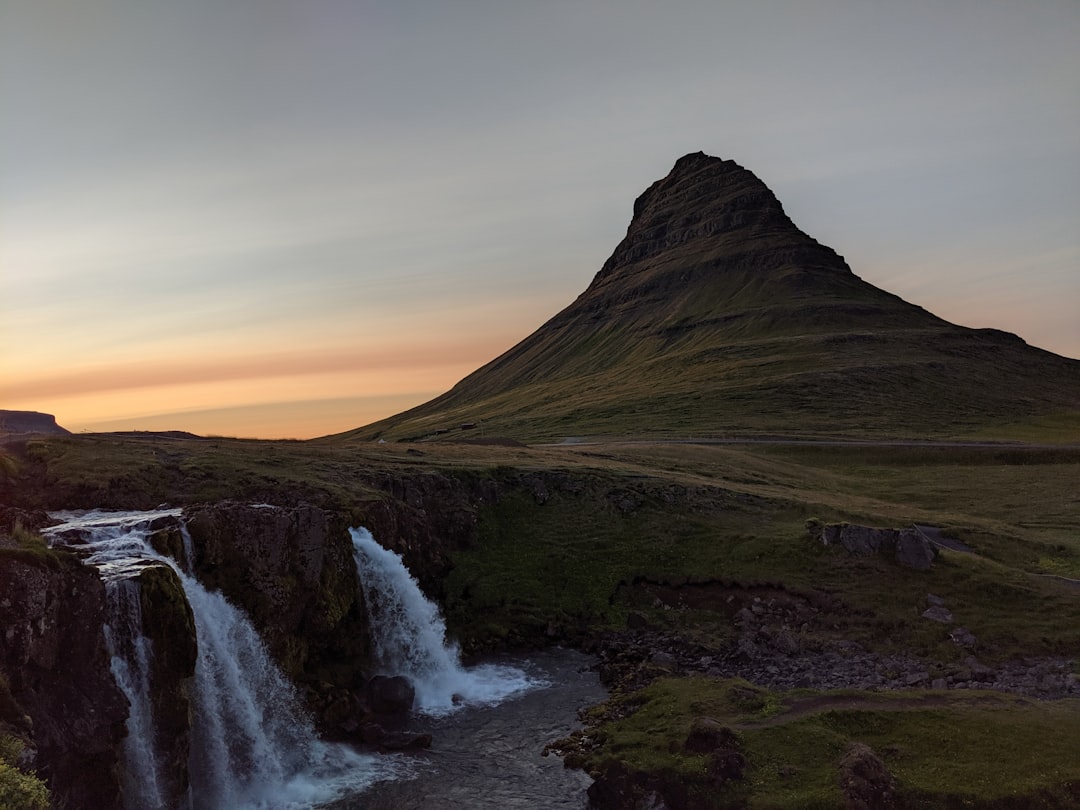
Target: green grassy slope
571 541
716 315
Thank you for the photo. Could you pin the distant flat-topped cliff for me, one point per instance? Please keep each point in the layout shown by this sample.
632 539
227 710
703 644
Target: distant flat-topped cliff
29 422
716 315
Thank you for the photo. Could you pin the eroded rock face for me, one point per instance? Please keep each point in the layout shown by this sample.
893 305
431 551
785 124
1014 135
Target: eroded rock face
291 569
168 623
52 652
424 517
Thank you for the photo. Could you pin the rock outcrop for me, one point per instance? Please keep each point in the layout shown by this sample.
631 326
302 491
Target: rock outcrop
53 656
29 422
291 569
169 625
909 547
425 515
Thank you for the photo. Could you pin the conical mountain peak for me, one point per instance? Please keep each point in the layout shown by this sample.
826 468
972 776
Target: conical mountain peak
715 315
701 198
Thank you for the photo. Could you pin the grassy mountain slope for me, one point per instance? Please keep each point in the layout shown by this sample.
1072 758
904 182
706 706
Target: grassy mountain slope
716 315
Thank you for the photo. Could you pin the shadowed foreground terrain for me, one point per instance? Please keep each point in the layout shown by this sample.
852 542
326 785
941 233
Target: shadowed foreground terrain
689 570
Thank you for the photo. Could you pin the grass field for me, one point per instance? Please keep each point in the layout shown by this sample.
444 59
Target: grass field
556 557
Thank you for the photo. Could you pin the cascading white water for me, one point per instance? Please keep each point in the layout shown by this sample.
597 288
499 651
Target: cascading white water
252 746
410 638
130 656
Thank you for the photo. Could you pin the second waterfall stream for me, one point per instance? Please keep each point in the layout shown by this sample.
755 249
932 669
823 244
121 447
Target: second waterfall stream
409 635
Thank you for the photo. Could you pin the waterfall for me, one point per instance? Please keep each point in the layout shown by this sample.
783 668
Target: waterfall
252 745
130 656
409 635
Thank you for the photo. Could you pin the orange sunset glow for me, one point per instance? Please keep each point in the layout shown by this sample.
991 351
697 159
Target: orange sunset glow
291 220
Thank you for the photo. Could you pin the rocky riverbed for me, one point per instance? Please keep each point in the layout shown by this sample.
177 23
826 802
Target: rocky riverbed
770 650
493 757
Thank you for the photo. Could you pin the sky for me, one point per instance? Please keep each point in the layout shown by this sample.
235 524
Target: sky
288 219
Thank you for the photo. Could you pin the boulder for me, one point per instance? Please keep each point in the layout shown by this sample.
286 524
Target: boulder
914 551
390 695
938 614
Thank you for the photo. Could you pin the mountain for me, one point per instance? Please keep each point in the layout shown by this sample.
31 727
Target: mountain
29 422
716 315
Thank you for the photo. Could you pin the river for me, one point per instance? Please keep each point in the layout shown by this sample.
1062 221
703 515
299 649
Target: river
490 757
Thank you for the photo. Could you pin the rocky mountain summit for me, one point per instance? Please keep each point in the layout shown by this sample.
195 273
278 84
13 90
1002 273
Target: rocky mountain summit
716 315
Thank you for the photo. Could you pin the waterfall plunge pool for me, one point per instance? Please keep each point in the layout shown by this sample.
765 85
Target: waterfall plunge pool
253 746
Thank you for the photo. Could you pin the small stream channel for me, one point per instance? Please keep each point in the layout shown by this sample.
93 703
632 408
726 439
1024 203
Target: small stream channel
488 757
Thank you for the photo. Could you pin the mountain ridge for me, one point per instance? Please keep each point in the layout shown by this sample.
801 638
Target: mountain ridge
716 314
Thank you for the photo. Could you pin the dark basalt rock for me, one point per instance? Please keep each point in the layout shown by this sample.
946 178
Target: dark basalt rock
390 694
30 519
168 623
291 569
53 655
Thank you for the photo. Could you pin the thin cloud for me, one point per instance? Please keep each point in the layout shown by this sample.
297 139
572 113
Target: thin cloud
144 374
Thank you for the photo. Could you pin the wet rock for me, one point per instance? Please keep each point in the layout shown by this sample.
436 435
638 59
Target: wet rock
292 571
404 741
52 651
167 539
390 694
169 625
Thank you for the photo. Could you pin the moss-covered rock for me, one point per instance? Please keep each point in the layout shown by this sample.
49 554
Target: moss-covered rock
291 569
168 623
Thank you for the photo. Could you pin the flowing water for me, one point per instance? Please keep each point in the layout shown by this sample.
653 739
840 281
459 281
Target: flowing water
491 757
254 747
410 639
